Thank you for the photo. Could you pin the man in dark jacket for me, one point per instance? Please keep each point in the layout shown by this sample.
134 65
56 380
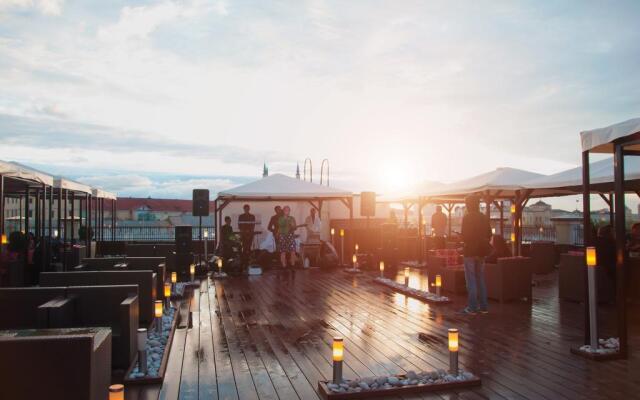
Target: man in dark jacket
476 233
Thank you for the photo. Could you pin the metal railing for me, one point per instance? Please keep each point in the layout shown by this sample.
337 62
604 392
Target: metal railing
152 233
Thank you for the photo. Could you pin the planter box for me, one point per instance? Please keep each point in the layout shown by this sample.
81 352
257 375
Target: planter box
147 380
326 393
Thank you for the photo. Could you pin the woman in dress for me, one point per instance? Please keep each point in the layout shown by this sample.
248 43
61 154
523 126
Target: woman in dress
286 237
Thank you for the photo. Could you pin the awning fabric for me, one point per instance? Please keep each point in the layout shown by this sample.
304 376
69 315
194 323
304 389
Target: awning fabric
19 171
280 186
601 140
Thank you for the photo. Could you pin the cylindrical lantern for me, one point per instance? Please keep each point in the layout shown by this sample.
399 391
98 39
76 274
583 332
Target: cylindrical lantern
341 232
142 350
513 237
4 239
354 259
158 308
357 247
192 271
174 277
333 231
381 269
438 284
167 290
338 357
219 262
406 276
206 234
493 231
453 352
591 256
116 392
513 209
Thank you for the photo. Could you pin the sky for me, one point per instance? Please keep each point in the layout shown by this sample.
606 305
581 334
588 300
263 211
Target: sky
154 98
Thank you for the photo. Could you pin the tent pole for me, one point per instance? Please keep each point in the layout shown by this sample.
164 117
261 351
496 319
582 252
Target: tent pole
618 163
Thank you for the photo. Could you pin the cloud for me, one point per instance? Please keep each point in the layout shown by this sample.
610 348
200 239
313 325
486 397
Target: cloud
46 7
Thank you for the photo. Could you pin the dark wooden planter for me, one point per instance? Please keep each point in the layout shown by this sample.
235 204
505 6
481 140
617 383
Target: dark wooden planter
147 380
596 356
396 391
410 294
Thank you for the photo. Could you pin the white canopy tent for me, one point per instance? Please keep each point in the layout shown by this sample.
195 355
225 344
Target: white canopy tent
16 170
602 140
281 188
68 184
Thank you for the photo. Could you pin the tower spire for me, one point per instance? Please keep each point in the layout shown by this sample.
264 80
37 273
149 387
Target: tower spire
297 170
265 170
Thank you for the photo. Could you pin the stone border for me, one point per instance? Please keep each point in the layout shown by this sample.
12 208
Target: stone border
327 394
427 297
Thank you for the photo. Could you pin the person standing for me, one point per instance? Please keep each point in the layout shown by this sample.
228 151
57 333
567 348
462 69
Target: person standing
273 222
476 233
246 223
286 237
313 225
439 226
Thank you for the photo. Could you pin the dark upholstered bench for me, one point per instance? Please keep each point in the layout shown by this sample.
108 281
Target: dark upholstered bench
146 281
55 364
572 280
543 257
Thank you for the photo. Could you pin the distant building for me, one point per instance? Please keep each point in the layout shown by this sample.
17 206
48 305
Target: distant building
158 212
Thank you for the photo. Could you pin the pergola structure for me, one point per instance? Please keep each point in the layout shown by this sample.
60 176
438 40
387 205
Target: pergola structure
492 187
278 187
622 139
26 183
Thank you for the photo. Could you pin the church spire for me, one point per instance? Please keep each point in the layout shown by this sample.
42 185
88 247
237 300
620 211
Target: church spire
297 170
265 170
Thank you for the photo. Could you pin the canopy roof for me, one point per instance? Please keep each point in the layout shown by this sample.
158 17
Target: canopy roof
68 184
18 171
103 194
281 187
501 183
570 181
601 140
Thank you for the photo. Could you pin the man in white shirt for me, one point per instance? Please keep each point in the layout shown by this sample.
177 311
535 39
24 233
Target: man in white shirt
313 225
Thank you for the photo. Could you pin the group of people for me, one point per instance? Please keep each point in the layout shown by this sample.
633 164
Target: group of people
282 225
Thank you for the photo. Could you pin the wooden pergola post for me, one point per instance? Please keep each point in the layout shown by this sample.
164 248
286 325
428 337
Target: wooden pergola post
586 235
621 253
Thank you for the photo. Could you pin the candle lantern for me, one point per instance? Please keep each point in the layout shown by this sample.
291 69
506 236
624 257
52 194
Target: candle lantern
493 231
174 277
453 351
192 271
167 295
338 357
438 284
219 262
381 269
142 350
4 239
513 208
341 246
354 260
116 392
406 276
158 314
357 248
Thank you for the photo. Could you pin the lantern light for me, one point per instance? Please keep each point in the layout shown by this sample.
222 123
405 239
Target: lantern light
167 290
142 338
174 277
541 229
4 239
158 308
338 356
513 236
192 269
453 340
453 352
341 232
406 276
493 231
219 262
357 247
333 231
116 392
513 208
338 349
142 350
438 284
381 268
206 234
55 233
591 256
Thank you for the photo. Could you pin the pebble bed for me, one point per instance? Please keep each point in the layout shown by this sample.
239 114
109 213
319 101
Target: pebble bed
155 347
397 381
606 346
178 290
421 294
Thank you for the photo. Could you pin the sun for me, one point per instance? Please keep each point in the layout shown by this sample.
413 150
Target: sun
393 177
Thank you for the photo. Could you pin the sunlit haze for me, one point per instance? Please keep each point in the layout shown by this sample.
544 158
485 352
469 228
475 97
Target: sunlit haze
154 98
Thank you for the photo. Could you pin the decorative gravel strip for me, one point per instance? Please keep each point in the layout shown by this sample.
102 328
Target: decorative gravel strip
411 382
605 346
156 345
417 293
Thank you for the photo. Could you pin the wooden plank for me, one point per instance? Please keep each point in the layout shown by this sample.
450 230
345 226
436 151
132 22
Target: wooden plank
189 379
207 385
173 373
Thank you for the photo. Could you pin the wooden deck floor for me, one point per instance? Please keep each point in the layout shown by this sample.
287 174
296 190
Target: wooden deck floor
269 337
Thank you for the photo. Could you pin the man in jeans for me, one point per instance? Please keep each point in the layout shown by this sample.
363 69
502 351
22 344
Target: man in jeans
476 233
